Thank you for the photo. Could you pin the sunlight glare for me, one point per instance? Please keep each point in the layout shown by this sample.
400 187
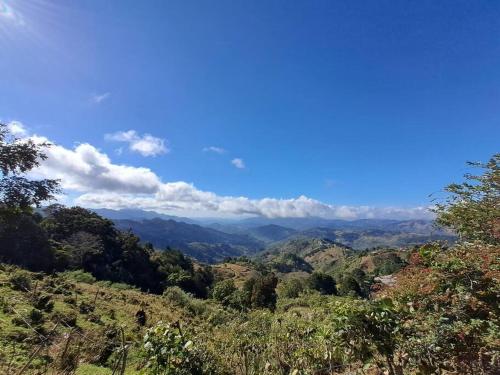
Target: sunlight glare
9 14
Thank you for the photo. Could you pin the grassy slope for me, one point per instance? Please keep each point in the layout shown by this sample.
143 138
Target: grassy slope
113 307
236 271
116 307
330 257
216 329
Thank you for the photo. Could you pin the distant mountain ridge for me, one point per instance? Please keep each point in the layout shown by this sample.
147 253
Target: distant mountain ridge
298 224
213 241
205 244
137 214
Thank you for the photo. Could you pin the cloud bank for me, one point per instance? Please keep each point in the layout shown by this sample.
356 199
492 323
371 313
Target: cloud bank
97 182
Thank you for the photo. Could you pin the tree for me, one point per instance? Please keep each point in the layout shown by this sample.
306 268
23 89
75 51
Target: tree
83 248
291 288
22 241
323 283
473 207
349 286
223 291
261 291
17 157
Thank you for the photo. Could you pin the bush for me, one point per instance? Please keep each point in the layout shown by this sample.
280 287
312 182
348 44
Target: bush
94 318
117 286
291 288
20 280
70 300
80 276
349 286
472 208
260 292
323 283
86 308
223 290
67 319
35 317
169 352
177 296
42 302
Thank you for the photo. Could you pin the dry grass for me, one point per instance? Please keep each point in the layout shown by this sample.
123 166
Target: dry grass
238 272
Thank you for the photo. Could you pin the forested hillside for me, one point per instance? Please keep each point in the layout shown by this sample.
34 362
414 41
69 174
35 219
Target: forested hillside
80 296
204 244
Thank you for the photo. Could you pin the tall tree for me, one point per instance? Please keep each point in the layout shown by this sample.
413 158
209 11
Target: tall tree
22 240
473 207
17 157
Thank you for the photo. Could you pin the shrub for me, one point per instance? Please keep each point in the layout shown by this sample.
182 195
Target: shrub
472 207
70 300
42 302
141 317
223 290
364 331
86 308
117 286
94 318
68 319
35 317
323 283
80 276
20 280
349 286
177 296
260 292
291 288
169 352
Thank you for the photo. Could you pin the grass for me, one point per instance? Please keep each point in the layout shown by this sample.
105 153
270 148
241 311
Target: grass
112 307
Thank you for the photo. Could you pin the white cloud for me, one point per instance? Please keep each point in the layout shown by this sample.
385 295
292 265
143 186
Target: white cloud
90 175
238 163
85 168
146 145
217 150
17 129
99 98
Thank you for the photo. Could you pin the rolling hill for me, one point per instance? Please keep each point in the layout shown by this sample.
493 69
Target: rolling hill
213 241
204 244
303 256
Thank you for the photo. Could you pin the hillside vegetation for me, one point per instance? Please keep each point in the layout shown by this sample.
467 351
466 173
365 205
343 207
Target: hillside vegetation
213 242
204 244
79 296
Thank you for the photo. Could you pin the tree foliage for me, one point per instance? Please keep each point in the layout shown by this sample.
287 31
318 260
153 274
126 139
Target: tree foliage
261 291
473 207
323 283
22 241
17 157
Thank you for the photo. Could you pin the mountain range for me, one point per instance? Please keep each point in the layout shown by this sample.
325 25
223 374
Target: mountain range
211 241
204 244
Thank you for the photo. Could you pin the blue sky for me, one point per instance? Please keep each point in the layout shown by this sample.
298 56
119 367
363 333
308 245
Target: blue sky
372 104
